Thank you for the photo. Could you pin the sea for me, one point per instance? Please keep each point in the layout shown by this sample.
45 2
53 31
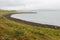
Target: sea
50 17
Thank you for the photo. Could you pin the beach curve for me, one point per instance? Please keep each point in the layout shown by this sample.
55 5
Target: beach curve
30 23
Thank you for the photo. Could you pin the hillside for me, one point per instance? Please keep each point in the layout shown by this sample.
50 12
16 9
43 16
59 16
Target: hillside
11 30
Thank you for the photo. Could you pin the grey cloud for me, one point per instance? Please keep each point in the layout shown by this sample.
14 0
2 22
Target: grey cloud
30 4
11 3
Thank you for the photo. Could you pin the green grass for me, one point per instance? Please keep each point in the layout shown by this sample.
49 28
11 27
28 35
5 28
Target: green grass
11 30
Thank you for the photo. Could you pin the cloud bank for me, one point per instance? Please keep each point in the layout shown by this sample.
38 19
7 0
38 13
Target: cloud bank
29 4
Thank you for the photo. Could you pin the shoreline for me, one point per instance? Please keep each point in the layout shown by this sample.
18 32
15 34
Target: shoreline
31 23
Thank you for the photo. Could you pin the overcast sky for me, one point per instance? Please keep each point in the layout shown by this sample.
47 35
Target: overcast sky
29 4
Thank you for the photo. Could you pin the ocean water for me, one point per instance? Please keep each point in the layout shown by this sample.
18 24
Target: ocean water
43 17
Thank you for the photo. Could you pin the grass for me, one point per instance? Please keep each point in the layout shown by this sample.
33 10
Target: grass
11 30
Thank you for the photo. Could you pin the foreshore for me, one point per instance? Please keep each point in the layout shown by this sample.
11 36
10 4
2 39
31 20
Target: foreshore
31 23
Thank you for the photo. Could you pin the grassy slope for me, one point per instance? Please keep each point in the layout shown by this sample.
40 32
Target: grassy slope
10 30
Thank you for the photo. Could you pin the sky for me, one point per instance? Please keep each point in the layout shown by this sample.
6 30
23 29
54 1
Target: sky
29 4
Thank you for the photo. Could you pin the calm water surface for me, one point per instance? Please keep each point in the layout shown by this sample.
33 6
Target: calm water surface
43 17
